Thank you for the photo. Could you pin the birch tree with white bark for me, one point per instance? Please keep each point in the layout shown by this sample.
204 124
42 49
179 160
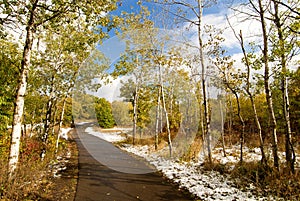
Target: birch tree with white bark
31 17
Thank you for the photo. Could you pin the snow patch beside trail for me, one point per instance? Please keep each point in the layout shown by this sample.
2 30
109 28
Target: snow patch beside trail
81 123
64 133
60 164
207 185
107 136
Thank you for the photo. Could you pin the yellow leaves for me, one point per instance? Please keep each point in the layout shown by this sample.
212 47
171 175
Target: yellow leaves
104 21
117 20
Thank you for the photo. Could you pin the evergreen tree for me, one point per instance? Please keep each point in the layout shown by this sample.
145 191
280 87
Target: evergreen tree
104 114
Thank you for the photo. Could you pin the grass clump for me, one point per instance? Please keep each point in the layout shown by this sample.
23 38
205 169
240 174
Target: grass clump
269 181
34 177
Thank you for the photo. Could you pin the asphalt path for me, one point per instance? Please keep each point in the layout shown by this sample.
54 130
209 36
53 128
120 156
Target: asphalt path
103 181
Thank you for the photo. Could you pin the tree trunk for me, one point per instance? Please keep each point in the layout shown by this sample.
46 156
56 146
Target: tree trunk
157 119
135 115
47 123
50 104
60 122
135 104
166 113
222 126
243 126
261 143
269 100
54 119
289 153
257 122
203 81
230 119
21 90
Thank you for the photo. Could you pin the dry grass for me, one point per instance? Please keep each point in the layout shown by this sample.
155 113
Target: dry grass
33 179
193 150
138 141
28 183
267 180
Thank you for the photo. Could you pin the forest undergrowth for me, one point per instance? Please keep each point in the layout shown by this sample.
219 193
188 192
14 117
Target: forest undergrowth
267 180
53 178
42 179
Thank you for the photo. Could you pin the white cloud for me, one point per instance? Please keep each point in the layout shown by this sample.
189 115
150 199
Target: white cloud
238 20
111 91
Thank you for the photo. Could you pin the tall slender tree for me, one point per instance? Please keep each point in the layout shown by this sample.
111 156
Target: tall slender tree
283 49
196 9
136 31
252 99
39 15
247 61
261 10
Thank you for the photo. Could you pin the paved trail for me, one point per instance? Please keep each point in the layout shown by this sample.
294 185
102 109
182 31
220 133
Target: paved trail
100 183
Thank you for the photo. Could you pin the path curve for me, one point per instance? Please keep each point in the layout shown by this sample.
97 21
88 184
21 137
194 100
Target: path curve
97 182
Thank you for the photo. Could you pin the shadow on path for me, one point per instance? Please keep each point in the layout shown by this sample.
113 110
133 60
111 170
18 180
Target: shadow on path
100 183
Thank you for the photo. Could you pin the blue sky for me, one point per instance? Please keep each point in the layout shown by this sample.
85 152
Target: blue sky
212 15
155 9
215 15
131 6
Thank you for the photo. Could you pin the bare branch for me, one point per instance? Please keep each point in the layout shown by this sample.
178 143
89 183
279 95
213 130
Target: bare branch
187 5
184 18
236 36
287 6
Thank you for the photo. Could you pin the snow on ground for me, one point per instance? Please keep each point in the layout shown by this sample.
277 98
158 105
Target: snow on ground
207 185
81 123
64 133
249 155
113 136
29 126
60 164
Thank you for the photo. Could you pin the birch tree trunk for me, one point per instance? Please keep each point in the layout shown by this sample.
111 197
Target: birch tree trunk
157 122
289 151
135 115
60 123
48 118
257 122
269 99
242 122
203 81
21 90
200 132
166 112
135 104
229 111
54 119
222 126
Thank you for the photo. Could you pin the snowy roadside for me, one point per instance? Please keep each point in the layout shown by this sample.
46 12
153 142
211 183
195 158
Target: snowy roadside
60 164
113 136
207 185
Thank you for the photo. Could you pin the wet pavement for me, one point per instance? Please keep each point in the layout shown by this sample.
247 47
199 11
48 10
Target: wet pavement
118 176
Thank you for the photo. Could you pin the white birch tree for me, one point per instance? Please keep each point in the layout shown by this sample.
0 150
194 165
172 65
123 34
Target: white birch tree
39 15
